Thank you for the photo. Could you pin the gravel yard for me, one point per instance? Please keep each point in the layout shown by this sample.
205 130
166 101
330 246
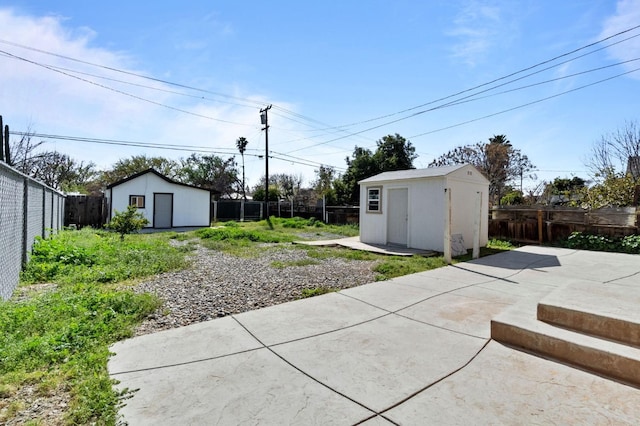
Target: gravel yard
219 284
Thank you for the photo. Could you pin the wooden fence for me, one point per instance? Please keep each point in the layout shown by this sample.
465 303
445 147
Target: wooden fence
545 224
84 210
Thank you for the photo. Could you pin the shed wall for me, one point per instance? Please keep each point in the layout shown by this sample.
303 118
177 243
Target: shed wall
464 213
190 205
426 205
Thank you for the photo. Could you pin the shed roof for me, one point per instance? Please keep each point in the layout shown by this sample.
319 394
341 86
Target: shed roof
429 172
160 175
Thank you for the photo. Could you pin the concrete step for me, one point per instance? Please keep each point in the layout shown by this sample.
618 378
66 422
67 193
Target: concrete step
519 327
610 311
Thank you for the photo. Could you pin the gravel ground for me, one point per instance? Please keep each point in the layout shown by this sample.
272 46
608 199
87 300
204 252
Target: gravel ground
218 284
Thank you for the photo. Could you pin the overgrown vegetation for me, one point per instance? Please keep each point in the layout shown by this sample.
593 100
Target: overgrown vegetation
581 241
56 339
91 256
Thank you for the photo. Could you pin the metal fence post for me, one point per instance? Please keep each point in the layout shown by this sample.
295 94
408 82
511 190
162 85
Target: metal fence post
25 218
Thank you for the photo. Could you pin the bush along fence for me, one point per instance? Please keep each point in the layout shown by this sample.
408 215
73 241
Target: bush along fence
545 224
28 209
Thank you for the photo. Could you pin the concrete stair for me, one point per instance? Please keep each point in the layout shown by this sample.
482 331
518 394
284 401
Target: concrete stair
592 326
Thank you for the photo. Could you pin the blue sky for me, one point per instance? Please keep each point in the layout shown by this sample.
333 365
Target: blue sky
331 70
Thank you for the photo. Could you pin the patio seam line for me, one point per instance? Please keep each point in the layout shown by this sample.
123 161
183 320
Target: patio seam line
437 381
396 312
439 326
621 278
303 372
178 364
373 417
346 327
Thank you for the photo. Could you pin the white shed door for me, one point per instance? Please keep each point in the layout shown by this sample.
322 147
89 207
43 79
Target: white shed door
162 210
398 216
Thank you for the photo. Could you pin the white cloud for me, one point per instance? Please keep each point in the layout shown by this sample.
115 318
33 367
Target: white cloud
627 15
53 103
476 28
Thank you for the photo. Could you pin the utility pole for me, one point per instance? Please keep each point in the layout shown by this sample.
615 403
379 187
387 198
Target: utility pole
265 122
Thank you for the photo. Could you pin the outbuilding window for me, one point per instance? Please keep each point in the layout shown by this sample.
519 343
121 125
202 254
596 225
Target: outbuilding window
136 201
374 200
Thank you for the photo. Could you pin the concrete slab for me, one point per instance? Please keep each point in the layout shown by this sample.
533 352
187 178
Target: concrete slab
355 244
457 313
307 317
389 295
253 387
382 362
505 386
209 339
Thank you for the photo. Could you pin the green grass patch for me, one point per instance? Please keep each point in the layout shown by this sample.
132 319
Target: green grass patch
396 266
92 256
59 338
317 291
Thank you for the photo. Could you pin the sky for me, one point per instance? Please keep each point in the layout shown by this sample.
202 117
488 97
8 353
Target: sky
94 78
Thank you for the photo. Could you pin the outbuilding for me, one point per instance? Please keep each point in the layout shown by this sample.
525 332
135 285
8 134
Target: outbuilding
164 202
423 208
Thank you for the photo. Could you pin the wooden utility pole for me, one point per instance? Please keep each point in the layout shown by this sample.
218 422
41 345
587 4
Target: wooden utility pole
264 119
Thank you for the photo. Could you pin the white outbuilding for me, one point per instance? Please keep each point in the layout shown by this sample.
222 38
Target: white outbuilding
423 208
164 202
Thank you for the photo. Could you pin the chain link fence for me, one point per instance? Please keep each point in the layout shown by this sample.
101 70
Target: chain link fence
27 208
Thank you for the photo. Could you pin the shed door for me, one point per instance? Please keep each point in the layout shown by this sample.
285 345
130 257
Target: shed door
398 216
162 210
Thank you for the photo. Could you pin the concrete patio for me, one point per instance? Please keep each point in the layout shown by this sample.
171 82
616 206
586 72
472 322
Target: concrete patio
413 350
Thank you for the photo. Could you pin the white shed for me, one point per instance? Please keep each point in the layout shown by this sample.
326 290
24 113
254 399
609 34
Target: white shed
419 208
164 202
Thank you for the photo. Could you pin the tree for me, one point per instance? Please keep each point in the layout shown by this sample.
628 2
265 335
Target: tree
497 160
283 184
126 167
258 193
393 152
23 152
323 184
211 172
127 222
61 172
615 189
614 152
241 143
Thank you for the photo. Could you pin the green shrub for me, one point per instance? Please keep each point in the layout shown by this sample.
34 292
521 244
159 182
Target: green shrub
127 221
581 241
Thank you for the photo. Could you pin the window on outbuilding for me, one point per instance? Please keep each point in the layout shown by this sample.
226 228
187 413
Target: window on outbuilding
374 200
136 201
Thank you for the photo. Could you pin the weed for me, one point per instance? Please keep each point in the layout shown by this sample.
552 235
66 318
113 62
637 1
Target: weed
317 291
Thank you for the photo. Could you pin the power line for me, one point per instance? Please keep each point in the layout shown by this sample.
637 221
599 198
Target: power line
510 75
130 73
526 105
171 147
476 87
122 92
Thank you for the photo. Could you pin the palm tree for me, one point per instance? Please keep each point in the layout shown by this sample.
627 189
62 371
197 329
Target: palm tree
241 143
